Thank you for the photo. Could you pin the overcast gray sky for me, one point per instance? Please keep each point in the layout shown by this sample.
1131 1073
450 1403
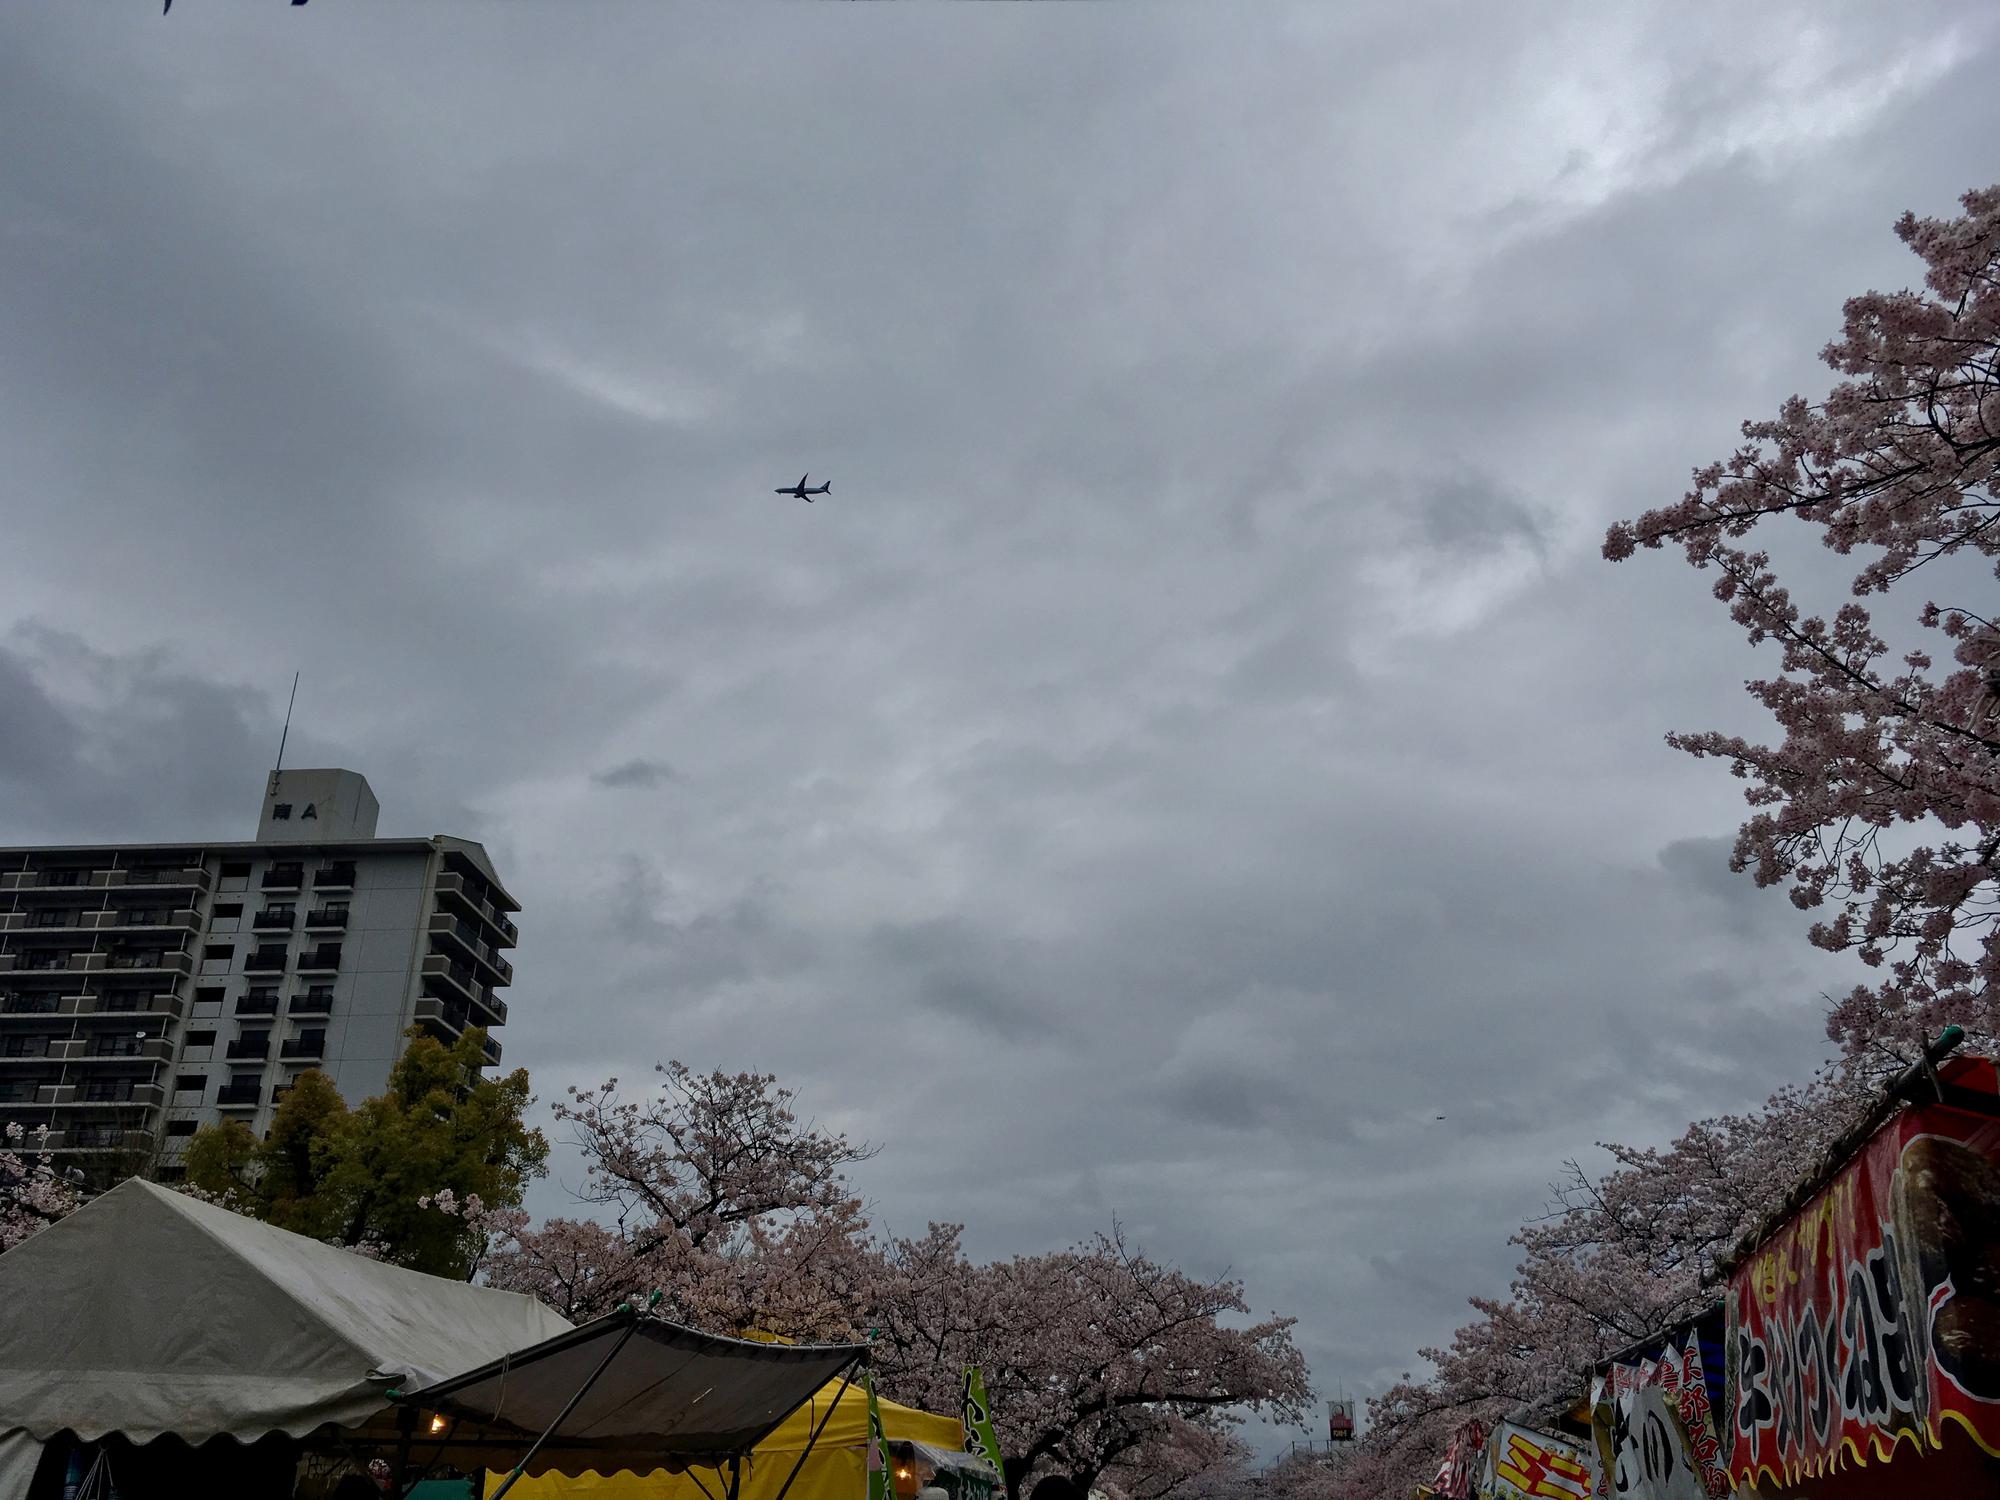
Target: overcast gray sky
1197 742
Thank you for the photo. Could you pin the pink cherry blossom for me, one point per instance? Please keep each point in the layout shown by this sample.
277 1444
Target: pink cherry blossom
1880 806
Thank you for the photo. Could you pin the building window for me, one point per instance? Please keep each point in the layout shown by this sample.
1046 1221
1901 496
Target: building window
235 877
62 877
216 958
51 916
182 1127
281 812
207 1004
190 1083
226 917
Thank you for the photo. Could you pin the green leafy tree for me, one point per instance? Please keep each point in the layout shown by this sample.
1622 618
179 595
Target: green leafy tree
362 1177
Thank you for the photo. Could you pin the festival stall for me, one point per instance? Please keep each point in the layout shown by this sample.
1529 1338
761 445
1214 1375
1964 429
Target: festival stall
200 1352
1863 1319
927 1447
1652 1411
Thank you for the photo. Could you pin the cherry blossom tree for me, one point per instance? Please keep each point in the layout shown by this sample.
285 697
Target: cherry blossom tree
722 1199
1614 1259
1100 1361
32 1195
1880 806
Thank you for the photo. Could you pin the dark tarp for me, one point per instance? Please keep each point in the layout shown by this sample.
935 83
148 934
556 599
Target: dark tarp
668 1397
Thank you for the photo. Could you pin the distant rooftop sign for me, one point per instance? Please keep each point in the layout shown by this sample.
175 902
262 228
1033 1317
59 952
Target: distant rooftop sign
317 807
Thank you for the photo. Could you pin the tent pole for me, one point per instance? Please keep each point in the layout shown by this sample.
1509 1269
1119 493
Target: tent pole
563 1415
735 1475
406 1430
846 1381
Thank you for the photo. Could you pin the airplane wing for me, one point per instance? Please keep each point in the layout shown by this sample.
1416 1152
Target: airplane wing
802 482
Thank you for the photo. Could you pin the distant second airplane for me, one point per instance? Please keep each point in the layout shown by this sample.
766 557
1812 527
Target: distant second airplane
800 492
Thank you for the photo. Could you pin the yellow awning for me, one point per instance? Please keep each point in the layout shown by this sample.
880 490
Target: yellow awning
836 1469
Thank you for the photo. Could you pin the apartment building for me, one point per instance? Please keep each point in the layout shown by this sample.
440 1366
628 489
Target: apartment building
149 989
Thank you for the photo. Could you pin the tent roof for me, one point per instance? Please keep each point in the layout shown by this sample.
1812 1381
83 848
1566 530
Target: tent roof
149 1313
649 1394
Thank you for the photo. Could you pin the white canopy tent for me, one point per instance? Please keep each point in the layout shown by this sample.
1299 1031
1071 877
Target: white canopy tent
149 1315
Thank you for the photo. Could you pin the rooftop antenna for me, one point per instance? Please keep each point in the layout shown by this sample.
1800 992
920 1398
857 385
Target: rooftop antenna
286 732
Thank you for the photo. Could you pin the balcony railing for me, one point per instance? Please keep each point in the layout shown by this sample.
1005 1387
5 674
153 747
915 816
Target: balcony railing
303 1046
239 1095
267 919
175 876
174 962
317 1001
100 1138
324 957
438 967
81 1096
30 1005
328 916
121 1048
245 1048
334 877
125 1003
264 961
284 877
257 1005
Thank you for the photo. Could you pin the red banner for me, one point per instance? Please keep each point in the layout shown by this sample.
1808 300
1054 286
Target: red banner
1872 1319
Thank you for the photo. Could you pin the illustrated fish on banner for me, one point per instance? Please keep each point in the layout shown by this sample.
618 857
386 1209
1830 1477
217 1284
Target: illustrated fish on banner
1656 1434
1522 1464
980 1438
1870 1322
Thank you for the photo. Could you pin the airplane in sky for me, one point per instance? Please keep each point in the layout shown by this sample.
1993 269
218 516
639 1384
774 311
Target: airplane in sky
800 492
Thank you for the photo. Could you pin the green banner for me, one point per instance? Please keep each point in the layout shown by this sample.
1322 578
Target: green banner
979 1435
881 1472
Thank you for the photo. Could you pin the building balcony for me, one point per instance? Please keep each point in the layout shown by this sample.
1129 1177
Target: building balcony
336 875
31 1003
249 1049
120 1047
182 919
316 1001
325 917
91 1095
150 961
491 1052
284 877
126 1003
443 970
265 961
47 919
447 1017
191 877
321 960
239 1095
457 893
302 1047
81 1138
257 1005
279 921
494 1006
